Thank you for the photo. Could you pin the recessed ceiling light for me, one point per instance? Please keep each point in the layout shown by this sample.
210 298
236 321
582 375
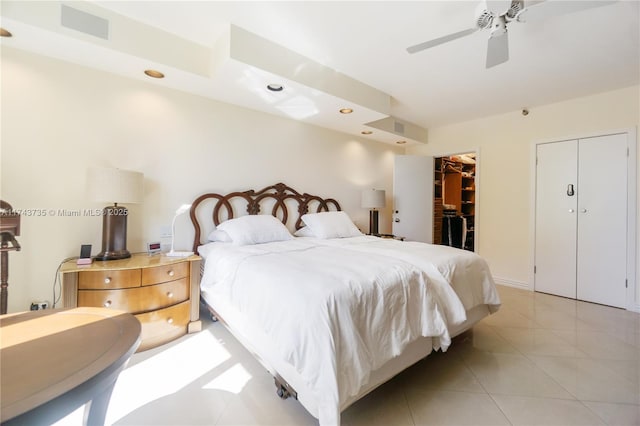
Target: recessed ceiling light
5 33
275 87
346 111
154 73
401 142
366 132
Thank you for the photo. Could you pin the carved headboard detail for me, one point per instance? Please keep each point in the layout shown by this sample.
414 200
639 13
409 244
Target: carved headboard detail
279 195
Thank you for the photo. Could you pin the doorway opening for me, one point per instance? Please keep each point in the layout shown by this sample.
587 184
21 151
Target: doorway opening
454 200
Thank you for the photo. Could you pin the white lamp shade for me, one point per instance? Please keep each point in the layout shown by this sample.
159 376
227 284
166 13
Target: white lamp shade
373 198
115 185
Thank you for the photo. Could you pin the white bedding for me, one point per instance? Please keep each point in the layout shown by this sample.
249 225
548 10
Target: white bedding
338 309
466 272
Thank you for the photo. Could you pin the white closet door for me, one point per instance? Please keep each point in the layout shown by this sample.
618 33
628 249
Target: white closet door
555 245
413 197
602 220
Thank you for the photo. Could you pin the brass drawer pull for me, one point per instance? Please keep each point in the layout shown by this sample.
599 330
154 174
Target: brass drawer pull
171 273
169 294
107 303
107 280
170 320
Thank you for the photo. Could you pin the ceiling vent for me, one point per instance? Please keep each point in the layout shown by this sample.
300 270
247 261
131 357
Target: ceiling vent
84 22
408 131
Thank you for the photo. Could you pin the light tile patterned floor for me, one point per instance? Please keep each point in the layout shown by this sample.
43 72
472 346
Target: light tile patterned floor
541 360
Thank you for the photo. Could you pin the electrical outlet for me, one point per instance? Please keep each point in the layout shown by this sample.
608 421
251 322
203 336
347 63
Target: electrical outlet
38 306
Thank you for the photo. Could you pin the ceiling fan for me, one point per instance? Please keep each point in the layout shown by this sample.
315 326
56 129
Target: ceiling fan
495 15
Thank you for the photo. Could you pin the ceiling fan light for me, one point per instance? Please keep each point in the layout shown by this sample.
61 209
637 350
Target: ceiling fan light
484 19
515 9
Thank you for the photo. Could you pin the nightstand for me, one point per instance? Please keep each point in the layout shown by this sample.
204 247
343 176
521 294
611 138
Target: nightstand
162 292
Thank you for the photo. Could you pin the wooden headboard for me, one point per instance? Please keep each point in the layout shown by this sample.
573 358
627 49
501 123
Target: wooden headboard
280 198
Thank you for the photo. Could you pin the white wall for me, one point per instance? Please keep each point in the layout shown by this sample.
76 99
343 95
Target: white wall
58 119
505 166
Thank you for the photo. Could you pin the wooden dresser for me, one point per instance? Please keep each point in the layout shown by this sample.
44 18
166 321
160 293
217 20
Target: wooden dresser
162 292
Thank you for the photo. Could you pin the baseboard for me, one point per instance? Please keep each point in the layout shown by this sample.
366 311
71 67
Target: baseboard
512 283
525 286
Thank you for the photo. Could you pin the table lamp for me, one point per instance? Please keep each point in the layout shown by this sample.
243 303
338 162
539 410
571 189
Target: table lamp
373 199
115 186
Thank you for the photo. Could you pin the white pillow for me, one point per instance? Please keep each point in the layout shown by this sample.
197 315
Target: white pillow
305 231
255 229
219 235
206 249
331 225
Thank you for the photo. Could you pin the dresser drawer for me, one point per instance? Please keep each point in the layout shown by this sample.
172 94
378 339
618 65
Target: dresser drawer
128 299
160 274
163 325
165 294
103 280
139 299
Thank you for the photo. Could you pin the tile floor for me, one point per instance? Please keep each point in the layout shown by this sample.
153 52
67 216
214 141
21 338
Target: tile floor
541 360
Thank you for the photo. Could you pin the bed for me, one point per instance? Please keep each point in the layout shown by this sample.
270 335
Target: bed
330 312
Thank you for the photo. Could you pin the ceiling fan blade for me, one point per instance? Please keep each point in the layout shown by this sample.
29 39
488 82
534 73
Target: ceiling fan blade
552 8
440 40
497 50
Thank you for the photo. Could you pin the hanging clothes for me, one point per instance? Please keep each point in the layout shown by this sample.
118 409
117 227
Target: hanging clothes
454 230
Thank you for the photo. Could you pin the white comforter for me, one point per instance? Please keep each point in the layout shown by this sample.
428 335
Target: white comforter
338 309
466 272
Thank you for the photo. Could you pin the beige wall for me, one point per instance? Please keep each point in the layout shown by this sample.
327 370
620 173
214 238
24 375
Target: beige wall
59 119
505 166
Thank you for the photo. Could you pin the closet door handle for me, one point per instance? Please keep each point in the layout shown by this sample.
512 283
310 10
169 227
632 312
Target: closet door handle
570 190
583 210
571 210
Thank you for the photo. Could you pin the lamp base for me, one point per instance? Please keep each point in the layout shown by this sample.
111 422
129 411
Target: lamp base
373 222
114 234
113 255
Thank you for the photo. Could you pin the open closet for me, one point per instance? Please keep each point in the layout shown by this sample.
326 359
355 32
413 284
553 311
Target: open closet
454 200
